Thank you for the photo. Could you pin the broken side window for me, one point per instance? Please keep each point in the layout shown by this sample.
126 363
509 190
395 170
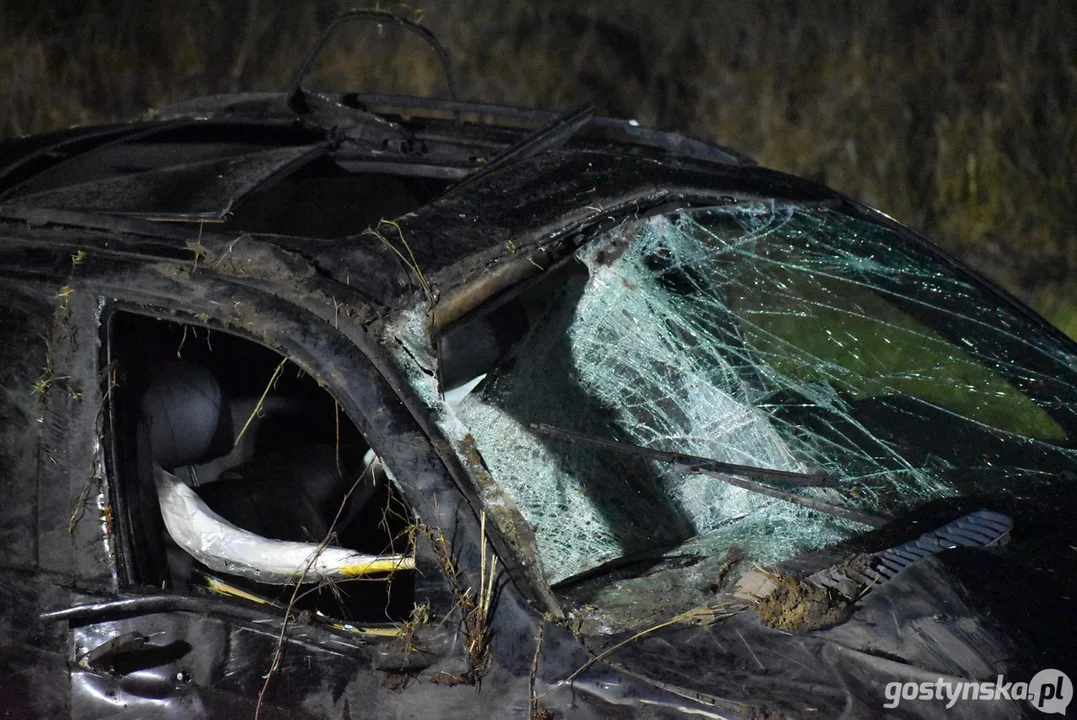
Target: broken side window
243 477
779 336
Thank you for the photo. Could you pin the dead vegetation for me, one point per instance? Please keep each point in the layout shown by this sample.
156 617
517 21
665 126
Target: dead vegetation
405 631
796 605
734 556
474 606
406 256
49 377
289 611
697 616
789 602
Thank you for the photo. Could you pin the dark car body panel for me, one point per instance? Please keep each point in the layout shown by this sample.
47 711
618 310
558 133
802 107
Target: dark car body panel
72 581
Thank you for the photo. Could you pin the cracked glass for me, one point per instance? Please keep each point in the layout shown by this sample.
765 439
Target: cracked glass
782 336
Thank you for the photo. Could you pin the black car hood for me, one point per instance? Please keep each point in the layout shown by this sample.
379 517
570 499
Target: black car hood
916 628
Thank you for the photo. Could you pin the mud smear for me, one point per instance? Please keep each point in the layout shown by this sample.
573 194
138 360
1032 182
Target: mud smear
796 605
827 598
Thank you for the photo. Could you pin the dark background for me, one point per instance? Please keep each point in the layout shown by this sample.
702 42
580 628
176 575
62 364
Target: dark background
958 118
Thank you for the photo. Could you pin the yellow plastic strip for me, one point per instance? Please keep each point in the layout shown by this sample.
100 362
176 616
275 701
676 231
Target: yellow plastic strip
379 565
376 631
224 588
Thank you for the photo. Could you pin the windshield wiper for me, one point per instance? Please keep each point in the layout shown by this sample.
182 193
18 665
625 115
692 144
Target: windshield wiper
728 472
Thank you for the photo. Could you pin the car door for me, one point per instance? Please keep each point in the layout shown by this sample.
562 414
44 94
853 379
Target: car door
136 645
38 554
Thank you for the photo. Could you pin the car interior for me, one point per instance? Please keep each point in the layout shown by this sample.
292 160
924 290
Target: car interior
265 448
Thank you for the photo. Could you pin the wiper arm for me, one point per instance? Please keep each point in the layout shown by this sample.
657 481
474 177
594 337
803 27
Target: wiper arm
785 477
728 472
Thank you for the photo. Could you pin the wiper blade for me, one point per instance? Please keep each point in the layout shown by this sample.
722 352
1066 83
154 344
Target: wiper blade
728 473
785 477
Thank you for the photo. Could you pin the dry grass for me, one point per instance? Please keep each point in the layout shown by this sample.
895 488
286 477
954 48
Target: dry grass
958 118
474 606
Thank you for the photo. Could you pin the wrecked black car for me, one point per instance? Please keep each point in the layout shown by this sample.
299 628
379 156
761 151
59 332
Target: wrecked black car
369 406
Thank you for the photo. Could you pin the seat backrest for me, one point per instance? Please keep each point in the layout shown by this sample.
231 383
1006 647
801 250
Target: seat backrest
179 422
180 416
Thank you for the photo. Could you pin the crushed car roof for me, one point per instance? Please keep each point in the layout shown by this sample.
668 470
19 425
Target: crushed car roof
205 158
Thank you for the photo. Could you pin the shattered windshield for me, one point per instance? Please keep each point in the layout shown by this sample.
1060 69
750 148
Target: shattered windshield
787 337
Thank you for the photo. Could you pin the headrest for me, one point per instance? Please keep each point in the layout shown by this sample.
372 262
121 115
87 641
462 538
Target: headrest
181 415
